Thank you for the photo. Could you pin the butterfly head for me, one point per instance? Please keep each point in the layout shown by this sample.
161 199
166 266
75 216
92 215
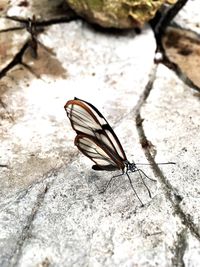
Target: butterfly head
131 167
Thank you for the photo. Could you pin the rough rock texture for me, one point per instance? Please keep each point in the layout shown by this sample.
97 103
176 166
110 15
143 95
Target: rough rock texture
121 14
51 209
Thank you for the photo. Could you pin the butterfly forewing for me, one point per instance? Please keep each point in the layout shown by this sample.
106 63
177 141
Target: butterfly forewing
98 153
86 119
81 118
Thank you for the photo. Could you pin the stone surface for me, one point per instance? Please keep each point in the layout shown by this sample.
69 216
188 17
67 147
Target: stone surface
188 18
182 42
183 48
43 9
51 209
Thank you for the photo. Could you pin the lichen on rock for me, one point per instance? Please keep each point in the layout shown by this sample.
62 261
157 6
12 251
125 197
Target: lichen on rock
117 13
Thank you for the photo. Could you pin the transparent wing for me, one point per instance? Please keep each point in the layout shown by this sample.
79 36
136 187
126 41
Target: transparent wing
86 119
98 153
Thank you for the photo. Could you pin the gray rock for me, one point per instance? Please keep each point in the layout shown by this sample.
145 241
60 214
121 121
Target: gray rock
51 209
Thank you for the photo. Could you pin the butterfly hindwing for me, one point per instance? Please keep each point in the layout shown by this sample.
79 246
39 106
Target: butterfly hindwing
99 153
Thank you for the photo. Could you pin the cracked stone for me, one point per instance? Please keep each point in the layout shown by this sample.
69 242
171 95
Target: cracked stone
51 209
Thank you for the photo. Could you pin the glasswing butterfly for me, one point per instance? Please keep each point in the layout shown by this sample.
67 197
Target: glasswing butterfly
96 139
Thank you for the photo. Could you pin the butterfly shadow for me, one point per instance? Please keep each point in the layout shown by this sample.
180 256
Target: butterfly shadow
137 181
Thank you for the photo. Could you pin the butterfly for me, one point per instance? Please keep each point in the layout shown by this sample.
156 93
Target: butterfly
96 139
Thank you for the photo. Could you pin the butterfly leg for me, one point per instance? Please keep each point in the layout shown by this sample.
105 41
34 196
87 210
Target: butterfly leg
109 182
146 175
144 182
3 165
134 189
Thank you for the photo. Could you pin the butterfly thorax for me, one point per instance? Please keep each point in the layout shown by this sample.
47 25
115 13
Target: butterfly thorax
130 166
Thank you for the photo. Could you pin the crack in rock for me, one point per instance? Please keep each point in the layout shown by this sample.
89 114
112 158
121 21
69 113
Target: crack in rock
34 28
26 231
169 191
179 249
